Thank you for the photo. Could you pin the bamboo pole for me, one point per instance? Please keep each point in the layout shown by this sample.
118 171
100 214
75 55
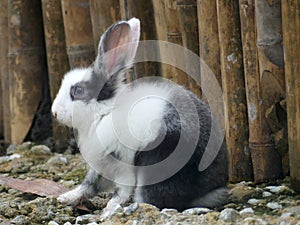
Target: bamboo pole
27 64
266 160
291 40
57 58
78 32
234 90
4 71
209 48
187 14
170 32
257 121
142 9
103 14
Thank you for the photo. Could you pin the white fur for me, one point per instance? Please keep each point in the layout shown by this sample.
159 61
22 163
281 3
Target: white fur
62 106
127 122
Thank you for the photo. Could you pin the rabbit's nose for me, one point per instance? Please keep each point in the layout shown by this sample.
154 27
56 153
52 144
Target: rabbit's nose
54 114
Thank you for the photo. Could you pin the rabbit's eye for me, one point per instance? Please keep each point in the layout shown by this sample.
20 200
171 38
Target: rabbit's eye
76 92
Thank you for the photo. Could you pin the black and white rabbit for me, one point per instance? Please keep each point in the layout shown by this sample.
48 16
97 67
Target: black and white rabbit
125 129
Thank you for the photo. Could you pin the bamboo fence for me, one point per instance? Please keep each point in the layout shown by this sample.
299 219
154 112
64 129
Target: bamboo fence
242 43
291 42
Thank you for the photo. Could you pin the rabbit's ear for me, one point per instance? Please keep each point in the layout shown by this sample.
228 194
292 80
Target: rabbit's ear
118 46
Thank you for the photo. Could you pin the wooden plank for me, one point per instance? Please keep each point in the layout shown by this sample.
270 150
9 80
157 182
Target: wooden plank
4 71
58 63
291 41
234 89
78 32
27 64
267 162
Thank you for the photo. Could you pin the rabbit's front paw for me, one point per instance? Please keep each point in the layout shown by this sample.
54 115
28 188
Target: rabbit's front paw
73 197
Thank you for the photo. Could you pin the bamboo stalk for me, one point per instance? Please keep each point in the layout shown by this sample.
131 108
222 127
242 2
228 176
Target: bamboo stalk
27 64
267 163
142 9
187 14
209 48
234 90
4 71
291 40
170 32
103 14
258 127
161 26
57 58
78 32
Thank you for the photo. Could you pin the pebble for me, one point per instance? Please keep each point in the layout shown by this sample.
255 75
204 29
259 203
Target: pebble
274 205
294 210
41 149
256 221
57 160
247 211
276 189
11 149
286 215
254 201
85 219
229 215
169 211
4 159
196 211
67 223
52 223
130 209
266 194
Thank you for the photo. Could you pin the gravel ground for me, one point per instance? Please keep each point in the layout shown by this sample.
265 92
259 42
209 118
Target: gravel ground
272 203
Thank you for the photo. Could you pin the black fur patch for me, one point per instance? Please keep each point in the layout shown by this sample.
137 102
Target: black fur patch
188 183
96 88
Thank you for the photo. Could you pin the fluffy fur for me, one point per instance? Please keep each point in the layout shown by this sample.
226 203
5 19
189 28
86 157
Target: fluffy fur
139 124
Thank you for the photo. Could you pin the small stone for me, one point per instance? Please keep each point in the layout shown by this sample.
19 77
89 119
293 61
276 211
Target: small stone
229 215
196 211
294 210
266 194
247 211
67 223
25 146
57 160
21 219
92 223
131 209
41 149
276 189
134 222
4 159
286 215
251 221
169 212
254 201
52 223
274 205
85 219
11 149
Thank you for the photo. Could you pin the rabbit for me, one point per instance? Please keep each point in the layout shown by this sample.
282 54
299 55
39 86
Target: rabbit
125 130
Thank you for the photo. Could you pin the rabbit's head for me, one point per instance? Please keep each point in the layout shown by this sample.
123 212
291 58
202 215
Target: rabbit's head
85 91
